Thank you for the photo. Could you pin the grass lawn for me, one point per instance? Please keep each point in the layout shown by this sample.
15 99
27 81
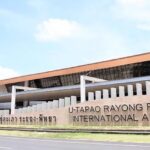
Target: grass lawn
88 136
80 127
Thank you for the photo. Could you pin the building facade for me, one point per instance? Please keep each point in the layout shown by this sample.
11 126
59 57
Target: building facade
123 78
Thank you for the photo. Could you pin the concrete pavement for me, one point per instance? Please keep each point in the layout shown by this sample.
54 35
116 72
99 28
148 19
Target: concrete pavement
16 143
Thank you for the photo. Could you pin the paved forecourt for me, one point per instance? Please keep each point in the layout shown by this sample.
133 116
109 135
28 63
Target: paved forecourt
16 143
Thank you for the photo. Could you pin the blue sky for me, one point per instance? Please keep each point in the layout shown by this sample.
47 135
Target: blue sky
42 35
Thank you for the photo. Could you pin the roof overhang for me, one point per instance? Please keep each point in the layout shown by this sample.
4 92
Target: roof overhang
88 67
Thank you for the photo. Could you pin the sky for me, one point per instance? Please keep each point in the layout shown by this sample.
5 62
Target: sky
44 35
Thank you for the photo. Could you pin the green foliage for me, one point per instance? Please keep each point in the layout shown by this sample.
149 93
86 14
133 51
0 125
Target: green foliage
88 136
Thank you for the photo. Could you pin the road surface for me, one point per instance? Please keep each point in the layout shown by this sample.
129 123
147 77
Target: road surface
16 143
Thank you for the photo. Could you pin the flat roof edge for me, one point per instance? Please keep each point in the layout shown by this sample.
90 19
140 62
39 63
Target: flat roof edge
45 74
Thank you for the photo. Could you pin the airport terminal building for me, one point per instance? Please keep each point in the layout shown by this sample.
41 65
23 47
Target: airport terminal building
104 90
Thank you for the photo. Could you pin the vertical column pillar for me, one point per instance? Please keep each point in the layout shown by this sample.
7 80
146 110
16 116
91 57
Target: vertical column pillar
44 106
90 96
82 89
121 91
61 103
73 100
34 108
105 94
67 101
26 103
31 109
28 109
113 92
97 95
50 105
13 100
55 104
25 109
130 90
147 87
138 89
39 108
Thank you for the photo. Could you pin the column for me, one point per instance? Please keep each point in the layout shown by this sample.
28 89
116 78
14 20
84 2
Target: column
147 87
55 103
113 92
67 101
28 109
24 110
97 95
13 100
130 90
50 105
90 96
82 89
105 94
44 106
34 108
73 100
121 91
26 103
138 89
39 108
61 102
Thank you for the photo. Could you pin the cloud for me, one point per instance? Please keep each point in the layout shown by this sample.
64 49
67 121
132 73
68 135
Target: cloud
135 11
57 29
104 44
145 27
7 73
131 2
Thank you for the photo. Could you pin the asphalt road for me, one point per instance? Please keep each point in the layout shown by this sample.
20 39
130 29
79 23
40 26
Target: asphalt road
15 143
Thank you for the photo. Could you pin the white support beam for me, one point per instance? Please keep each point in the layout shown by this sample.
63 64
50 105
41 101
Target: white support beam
90 96
67 101
13 95
55 104
50 103
61 103
121 91
98 95
130 90
105 93
113 92
147 87
73 100
138 89
24 88
92 79
13 100
83 80
82 89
